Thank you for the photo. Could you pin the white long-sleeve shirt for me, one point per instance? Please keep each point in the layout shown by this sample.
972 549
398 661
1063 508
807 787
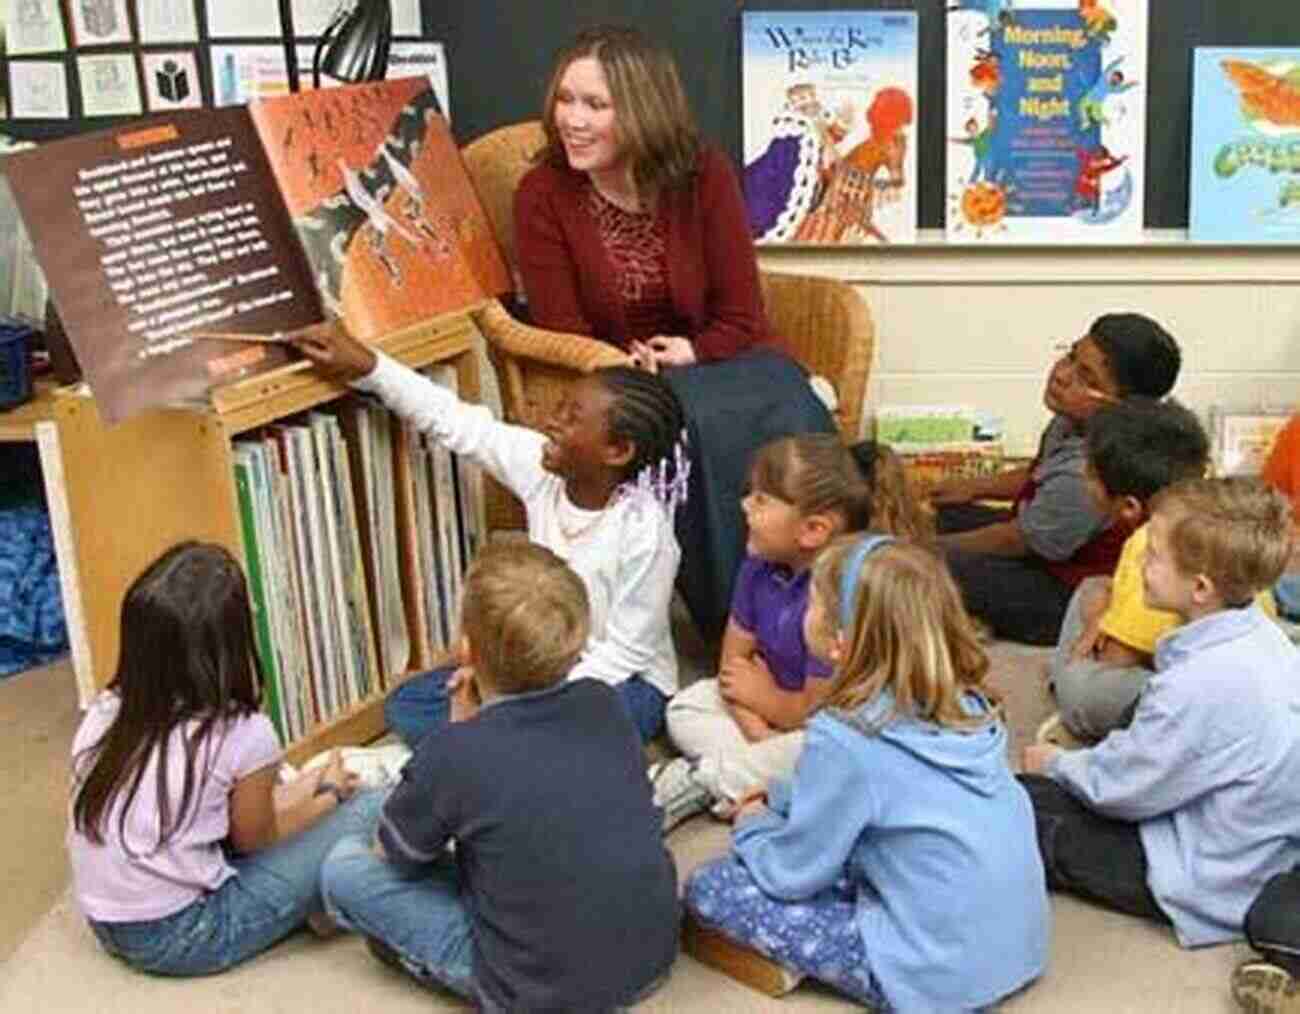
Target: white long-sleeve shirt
625 553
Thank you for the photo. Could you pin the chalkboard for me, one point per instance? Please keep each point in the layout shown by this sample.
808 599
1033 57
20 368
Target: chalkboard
499 54
500 51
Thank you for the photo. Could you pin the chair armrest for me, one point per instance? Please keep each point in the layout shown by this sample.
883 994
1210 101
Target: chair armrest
553 348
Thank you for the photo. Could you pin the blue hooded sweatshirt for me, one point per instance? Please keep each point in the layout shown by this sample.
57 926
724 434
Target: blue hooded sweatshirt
936 835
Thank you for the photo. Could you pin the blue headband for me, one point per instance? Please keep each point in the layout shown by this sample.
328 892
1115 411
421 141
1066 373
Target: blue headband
852 568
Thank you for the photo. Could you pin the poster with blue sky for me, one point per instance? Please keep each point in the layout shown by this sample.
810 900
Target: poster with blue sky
1245 182
829 117
1046 121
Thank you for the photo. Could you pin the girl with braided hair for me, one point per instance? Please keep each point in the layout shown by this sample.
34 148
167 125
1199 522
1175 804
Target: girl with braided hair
599 486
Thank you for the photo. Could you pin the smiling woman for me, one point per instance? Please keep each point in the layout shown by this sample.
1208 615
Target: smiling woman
632 230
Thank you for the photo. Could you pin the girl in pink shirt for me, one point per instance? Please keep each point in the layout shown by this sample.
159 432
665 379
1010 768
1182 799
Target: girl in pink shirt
184 860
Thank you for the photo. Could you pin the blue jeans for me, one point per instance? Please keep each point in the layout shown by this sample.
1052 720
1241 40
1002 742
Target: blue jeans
420 705
272 894
817 936
420 914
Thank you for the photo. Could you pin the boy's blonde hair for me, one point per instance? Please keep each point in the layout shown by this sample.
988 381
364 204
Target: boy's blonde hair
1235 531
815 473
526 616
908 633
895 507
653 118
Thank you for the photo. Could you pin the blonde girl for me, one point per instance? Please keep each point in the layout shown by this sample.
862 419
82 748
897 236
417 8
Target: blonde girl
899 864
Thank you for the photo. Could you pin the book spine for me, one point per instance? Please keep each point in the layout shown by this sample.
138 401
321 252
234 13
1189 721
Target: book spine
257 594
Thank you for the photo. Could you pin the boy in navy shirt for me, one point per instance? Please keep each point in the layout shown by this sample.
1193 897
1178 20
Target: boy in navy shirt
559 893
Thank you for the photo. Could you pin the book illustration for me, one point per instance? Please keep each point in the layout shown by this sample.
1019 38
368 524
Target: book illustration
1046 120
33 26
108 85
1245 172
248 73
99 22
385 213
829 99
167 21
226 221
1243 438
38 89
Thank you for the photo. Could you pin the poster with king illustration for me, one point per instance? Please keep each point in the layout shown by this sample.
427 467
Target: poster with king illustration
830 109
1046 120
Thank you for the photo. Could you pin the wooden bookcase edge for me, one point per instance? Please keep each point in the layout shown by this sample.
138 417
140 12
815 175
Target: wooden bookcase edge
167 475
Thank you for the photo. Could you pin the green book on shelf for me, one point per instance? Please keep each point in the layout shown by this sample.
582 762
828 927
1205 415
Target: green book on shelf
257 595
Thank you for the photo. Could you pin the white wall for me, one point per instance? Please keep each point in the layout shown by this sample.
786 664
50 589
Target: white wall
976 325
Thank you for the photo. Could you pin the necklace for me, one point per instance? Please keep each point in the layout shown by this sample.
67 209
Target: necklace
574 534
631 203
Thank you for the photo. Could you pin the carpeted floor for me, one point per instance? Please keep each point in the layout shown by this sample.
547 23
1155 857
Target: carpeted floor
1101 962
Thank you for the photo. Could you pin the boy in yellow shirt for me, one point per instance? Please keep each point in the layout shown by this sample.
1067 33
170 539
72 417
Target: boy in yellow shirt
1104 655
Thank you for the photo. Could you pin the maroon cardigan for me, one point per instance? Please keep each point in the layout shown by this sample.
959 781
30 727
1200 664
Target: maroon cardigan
712 269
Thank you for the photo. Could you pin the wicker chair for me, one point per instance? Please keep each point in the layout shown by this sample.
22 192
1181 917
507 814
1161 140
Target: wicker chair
825 323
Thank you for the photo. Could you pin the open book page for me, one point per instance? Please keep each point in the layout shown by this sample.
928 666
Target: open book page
155 230
385 210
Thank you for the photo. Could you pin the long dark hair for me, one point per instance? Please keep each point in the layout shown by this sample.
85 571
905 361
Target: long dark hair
187 655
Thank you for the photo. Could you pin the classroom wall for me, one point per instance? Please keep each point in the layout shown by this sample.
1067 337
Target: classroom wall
962 325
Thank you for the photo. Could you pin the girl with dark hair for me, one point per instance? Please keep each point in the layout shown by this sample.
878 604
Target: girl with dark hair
184 860
599 487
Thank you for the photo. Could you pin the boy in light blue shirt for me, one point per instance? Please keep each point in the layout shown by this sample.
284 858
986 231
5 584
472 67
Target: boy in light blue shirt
1185 814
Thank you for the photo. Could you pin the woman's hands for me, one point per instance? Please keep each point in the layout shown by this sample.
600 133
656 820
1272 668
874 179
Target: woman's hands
335 351
662 350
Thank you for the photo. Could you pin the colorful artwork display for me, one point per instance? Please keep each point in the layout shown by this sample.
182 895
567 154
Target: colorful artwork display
1245 154
1046 120
830 112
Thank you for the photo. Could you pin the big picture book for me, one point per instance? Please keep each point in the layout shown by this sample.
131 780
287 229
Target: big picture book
830 114
160 237
1245 155
1046 120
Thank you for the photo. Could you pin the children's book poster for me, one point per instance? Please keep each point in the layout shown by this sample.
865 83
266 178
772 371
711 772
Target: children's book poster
1046 120
829 140
1245 185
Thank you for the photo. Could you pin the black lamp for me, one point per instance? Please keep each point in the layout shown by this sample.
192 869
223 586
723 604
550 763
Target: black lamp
354 46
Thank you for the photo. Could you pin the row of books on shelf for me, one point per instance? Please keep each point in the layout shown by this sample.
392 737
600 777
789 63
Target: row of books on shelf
357 530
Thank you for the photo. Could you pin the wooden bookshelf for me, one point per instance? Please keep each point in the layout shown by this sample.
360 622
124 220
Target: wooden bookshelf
167 475
19 424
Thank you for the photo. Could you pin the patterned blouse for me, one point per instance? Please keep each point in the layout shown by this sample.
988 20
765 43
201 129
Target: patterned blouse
636 244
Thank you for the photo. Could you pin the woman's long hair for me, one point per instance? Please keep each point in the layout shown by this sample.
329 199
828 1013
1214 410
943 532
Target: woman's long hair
652 115
187 655
907 633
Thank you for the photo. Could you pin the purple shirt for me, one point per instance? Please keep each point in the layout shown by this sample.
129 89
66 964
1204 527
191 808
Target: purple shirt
769 603
111 885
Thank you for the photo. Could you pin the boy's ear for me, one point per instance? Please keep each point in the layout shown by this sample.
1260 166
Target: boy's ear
1130 510
1204 591
465 652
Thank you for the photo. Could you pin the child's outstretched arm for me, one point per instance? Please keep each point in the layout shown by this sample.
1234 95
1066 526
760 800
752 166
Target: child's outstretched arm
512 454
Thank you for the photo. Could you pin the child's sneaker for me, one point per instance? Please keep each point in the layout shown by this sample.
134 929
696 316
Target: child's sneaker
676 791
1054 732
1260 987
